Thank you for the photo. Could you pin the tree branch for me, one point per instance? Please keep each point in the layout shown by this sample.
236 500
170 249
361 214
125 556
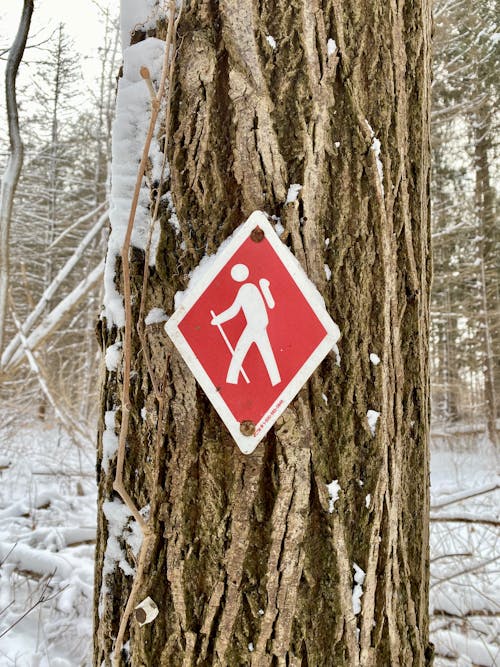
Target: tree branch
10 177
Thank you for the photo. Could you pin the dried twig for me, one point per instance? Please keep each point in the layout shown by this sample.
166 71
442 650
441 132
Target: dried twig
8 554
469 570
458 498
154 220
40 601
465 519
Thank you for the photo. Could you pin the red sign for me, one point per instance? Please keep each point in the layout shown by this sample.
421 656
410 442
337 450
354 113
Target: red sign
252 329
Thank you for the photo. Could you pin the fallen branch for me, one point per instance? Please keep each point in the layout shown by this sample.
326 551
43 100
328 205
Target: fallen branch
40 561
467 614
68 424
56 316
470 518
79 222
51 290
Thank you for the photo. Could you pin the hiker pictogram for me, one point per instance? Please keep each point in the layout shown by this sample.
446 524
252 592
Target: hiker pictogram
252 328
254 303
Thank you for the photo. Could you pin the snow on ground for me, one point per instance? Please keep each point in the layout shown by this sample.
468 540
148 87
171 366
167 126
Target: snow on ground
47 531
465 581
47 535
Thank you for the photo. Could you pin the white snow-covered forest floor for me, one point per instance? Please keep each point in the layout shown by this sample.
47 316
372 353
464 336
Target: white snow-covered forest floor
465 556
47 530
47 535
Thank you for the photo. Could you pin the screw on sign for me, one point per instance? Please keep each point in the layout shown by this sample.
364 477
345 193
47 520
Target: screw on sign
252 328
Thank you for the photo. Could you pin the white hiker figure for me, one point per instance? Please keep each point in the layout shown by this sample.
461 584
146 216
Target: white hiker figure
252 302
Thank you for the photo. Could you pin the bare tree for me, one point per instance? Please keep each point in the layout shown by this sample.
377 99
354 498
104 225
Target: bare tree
14 165
466 277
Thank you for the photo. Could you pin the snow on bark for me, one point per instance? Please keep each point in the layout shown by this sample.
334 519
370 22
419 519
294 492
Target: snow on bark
357 592
133 109
376 147
271 41
293 192
137 15
113 356
372 416
109 439
118 515
155 316
333 491
331 46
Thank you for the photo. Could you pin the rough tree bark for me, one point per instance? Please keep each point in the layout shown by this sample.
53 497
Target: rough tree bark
247 565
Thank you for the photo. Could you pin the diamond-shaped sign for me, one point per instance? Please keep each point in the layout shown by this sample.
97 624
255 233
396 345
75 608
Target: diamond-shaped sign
252 329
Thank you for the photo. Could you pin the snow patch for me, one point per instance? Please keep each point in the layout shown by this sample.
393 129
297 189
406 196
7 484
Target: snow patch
325 398
464 649
134 538
328 271
372 416
133 112
368 500
376 147
271 41
279 228
113 356
173 219
333 492
250 647
293 193
357 591
155 316
331 46
374 358
117 515
109 439
136 14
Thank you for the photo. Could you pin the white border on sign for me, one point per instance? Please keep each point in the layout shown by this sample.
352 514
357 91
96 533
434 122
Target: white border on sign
247 444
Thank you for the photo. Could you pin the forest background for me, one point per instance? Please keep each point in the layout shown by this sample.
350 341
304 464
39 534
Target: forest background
49 365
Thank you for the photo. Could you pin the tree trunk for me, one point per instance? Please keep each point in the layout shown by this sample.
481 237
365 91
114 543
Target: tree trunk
10 177
488 255
249 561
